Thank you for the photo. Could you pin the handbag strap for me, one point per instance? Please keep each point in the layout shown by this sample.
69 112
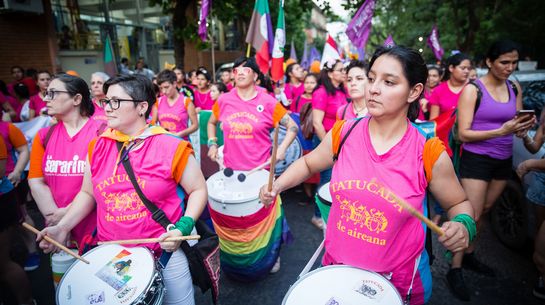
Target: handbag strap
156 213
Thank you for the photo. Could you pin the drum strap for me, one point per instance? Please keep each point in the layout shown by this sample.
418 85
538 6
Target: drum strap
409 292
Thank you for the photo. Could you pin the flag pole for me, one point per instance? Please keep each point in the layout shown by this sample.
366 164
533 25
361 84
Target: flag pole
213 49
248 50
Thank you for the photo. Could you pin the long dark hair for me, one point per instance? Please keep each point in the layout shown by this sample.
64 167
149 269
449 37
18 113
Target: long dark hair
414 70
501 47
455 60
76 85
326 81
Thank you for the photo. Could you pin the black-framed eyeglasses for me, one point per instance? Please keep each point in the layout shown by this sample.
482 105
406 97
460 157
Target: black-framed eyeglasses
50 94
114 102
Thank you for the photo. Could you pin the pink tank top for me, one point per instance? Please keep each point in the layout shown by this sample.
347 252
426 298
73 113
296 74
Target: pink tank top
63 166
246 128
120 212
173 118
366 227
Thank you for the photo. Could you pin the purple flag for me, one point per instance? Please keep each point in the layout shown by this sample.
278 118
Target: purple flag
433 42
314 55
293 55
305 62
389 42
361 54
360 26
205 9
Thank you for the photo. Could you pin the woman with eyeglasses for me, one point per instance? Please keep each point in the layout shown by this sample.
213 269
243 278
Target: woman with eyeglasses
247 115
57 158
326 100
97 81
167 173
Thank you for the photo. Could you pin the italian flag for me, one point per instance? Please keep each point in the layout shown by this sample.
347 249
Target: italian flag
330 51
259 33
277 69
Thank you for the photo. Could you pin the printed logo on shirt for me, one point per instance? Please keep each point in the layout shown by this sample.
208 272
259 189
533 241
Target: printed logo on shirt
122 206
169 121
241 125
74 167
358 220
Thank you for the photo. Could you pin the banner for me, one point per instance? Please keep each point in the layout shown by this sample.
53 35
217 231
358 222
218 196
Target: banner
293 54
433 42
360 26
330 51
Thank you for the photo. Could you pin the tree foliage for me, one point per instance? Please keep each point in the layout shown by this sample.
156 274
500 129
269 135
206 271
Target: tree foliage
466 25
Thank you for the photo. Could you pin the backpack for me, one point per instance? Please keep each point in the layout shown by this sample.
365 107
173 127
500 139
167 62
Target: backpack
428 239
307 129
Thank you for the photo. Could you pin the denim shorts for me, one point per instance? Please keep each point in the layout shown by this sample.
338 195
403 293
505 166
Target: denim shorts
536 190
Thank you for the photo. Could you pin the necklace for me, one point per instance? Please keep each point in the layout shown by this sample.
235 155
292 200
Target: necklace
356 110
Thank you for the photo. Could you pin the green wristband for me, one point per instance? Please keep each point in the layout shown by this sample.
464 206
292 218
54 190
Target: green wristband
185 225
470 226
469 223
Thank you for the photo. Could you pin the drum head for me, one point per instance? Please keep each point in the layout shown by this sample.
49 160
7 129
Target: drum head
115 275
229 196
294 151
342 285
324 194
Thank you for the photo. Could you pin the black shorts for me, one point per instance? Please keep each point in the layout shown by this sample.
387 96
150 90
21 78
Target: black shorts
482 167
9 211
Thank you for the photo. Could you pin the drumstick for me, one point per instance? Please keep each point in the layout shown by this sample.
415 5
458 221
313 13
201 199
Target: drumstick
435 228
273 158
54 242
147 240
241 177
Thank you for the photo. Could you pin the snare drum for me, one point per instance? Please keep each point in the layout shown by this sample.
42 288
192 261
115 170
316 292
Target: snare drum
342 284
228 196
115 275
294 151
250 235
323 200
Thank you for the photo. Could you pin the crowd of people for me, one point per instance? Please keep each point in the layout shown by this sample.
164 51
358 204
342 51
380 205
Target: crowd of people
366 145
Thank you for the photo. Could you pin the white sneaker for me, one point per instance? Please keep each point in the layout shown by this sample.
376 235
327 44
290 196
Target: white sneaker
276 267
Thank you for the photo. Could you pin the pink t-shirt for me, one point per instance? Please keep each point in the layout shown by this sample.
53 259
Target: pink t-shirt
37 104
203 100
443 97
120 212
298 103
246 128
99 114
13 137
173 118
229 87
63 165
328 104
292 92
366 227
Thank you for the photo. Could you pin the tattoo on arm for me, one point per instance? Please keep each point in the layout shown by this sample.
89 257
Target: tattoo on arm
284 120
294 129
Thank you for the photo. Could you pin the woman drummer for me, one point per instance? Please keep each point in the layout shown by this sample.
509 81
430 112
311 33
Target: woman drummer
247 115
165 168
385 154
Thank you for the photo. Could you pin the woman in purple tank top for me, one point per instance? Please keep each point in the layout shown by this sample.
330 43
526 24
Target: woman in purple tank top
486 128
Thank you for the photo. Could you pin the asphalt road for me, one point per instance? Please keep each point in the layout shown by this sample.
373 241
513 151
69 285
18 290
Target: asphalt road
513 284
